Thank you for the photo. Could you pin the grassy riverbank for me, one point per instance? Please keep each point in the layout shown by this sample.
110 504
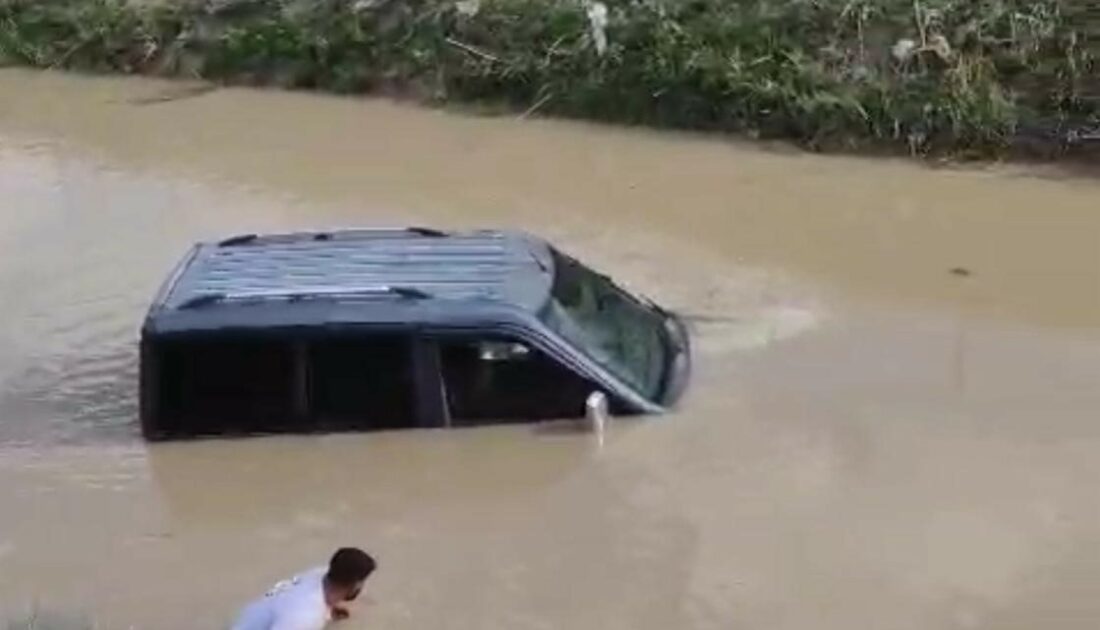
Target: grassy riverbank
965 77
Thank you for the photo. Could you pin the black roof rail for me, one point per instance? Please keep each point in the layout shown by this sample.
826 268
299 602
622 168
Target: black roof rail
245 239
412 229
409 293
200 301
423 231
240 239
206 299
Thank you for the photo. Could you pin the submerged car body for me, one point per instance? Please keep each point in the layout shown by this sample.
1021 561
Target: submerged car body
376 329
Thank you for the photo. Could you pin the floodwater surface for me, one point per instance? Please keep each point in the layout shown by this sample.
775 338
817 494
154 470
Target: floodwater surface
895 421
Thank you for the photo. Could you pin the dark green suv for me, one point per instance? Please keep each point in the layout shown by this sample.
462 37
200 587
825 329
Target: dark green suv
385 329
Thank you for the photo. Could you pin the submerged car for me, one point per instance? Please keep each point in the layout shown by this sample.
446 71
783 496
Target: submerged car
386 329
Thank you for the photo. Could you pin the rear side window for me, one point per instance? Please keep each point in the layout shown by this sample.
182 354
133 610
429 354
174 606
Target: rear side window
499 380
259 385
220 385
362 383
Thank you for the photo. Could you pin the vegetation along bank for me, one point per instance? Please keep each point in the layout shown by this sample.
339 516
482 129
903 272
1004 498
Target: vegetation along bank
969 78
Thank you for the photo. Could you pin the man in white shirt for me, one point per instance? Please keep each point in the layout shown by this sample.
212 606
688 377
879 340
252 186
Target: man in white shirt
311 600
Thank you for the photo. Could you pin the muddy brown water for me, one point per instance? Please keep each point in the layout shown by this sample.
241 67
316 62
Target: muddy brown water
871 441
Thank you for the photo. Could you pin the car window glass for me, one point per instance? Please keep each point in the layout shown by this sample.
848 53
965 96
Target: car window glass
266 384
494 380
362 382
225 385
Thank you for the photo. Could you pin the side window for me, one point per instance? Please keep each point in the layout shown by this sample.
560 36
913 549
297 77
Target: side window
259 385
220 385
362 382
501 381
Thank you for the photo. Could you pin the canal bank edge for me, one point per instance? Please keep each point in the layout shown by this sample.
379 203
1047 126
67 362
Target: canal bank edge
966 78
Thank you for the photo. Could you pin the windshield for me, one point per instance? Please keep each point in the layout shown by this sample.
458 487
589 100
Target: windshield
623 335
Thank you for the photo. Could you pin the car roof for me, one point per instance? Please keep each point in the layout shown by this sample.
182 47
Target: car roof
360 276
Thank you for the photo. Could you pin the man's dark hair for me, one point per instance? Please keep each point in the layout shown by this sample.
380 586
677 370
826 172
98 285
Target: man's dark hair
350 566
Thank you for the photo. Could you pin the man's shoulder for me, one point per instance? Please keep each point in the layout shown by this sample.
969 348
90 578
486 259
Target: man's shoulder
301 604
305 579
297 603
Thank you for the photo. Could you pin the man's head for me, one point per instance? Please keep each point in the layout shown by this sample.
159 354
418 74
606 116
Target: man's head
347 571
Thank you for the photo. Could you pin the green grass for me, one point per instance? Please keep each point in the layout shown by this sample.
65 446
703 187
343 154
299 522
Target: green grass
981 77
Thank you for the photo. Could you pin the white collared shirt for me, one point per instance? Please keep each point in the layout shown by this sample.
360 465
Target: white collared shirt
294 604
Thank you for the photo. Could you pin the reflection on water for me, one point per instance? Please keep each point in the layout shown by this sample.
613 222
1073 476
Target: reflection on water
870 442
